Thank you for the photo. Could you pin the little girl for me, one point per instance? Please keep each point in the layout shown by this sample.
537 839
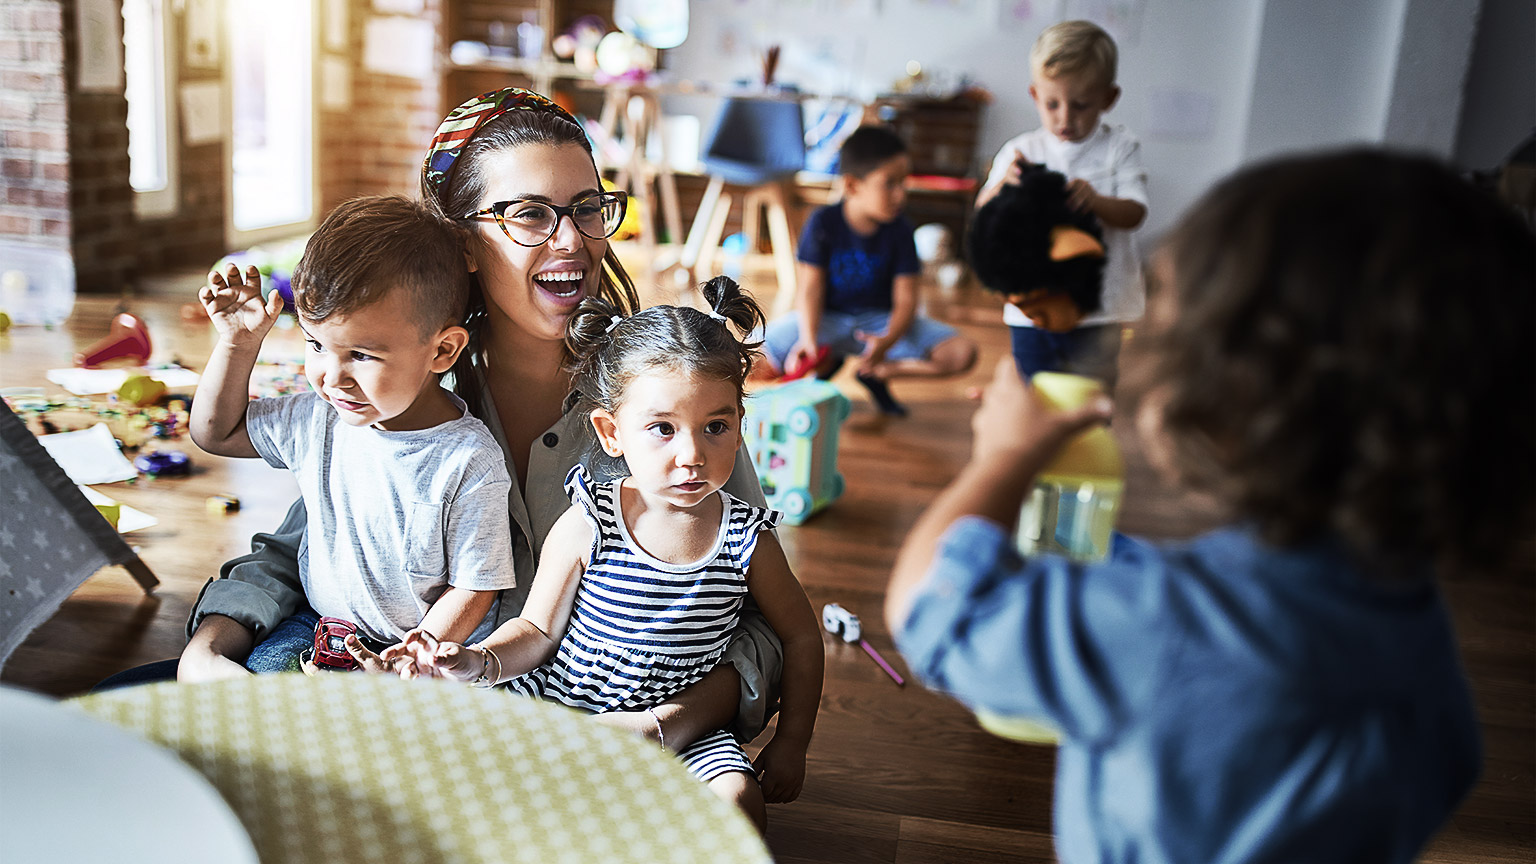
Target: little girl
1339 353
641 582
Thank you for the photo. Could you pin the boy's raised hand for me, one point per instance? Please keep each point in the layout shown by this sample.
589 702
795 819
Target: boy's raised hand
1014 422
235 305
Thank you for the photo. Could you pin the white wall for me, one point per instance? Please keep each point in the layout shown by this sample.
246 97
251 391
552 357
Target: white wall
1207 84
1500 106
1326 72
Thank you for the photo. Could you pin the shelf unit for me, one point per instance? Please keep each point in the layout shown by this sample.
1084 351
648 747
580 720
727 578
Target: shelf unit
473 19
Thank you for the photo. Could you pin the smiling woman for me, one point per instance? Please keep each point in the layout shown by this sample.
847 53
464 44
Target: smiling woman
509 145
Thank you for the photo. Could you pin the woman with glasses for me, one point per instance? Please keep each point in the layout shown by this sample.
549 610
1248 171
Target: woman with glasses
516 171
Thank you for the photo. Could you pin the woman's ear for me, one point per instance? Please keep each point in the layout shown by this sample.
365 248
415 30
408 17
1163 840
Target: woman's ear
451 342
607 429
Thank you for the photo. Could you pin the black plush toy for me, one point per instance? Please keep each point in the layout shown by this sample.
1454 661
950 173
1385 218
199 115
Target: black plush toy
1046 258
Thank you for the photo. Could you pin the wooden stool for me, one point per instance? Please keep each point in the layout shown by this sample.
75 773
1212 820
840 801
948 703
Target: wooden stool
758 143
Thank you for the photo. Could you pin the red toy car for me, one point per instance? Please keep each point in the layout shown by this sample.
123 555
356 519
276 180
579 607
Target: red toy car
330 645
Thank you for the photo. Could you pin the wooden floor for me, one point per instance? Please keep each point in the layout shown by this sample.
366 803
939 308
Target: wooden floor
897 774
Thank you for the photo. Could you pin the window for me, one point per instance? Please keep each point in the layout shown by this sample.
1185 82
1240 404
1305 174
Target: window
151 114
271 139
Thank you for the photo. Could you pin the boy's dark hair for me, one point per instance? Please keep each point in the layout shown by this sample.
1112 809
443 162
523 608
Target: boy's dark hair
1341 346
608 350
370 246
867 148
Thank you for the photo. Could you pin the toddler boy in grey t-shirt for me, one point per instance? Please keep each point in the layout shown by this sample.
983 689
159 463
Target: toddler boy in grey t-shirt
406 493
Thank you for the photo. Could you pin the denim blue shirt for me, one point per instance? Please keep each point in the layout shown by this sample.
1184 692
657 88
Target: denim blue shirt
1219 699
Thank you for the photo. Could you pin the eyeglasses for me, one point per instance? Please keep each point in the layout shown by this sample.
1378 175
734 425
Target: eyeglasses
532 223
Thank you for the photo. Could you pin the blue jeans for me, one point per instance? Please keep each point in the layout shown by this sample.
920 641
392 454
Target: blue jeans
837 331
279 652
1093 351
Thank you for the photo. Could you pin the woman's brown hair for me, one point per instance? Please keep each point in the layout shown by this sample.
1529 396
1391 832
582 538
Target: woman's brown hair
1341 346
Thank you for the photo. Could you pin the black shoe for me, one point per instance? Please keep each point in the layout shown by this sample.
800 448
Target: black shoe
832 366
882 396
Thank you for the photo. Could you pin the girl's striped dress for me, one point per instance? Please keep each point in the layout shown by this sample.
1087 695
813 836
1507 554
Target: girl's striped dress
643 629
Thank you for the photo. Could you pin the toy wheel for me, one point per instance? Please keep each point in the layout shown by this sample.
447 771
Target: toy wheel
803 421
796 503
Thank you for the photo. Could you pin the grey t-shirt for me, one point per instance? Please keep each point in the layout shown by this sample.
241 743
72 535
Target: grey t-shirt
394 517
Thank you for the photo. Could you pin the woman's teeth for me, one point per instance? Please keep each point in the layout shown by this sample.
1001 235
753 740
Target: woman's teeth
561 284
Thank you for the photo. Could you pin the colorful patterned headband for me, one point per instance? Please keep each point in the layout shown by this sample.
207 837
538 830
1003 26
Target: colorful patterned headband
463 122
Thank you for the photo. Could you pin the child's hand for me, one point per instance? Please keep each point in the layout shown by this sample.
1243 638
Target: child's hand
804 352
780 770
1016 169
874 351
235 305
1081 195
433 659
1015 421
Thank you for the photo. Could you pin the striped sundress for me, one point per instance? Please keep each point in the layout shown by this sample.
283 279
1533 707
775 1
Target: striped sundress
643 629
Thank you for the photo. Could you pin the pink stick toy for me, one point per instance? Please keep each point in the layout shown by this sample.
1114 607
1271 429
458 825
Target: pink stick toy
845 625
883 665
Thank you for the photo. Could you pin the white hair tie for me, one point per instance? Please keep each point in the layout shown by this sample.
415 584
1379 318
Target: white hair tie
613 322
717 316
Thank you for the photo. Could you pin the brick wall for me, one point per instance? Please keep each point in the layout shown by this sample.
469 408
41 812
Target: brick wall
103 233
376 145
64 154
34 159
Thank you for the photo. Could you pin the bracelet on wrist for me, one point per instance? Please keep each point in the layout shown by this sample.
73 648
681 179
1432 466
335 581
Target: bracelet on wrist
486 679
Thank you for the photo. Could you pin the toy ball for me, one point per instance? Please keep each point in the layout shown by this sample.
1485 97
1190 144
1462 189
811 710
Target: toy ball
161 463
141 390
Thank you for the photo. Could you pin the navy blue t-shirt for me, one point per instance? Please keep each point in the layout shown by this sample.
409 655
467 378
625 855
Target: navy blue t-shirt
860 270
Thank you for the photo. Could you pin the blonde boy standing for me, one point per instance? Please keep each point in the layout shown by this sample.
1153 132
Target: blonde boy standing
1073 65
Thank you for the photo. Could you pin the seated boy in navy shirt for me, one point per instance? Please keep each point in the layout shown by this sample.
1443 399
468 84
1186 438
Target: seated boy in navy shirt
858 282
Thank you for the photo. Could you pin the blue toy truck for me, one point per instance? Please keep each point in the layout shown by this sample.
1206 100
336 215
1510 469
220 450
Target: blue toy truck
791 432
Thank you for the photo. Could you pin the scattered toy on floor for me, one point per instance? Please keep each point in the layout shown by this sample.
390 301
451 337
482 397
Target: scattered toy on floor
845 625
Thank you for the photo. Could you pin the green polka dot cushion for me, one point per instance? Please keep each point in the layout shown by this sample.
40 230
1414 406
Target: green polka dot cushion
370 768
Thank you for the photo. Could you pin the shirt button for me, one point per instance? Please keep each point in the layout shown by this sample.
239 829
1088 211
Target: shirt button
551 439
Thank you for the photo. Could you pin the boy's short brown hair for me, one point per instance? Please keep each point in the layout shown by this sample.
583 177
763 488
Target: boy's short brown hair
1075 47
867 148
370 246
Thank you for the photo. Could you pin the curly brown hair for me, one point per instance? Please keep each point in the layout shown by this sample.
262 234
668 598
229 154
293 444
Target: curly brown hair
1340 344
